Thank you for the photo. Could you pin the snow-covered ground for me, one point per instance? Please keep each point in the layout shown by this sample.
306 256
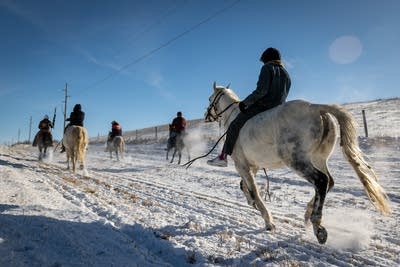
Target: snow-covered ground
145 211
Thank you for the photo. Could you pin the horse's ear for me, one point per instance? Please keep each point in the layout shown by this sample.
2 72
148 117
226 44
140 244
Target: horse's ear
215 86
229 84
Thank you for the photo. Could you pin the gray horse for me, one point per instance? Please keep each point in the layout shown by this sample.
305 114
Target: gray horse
176 141
117 145
301 136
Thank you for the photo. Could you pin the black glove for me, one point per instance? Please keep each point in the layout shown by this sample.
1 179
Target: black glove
242 107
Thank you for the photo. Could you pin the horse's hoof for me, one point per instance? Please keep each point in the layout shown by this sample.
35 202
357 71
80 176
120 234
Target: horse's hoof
270 227
322 235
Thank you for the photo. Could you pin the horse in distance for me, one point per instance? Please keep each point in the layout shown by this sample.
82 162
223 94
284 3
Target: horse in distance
117 145
75 141
301 136
44 140
177 142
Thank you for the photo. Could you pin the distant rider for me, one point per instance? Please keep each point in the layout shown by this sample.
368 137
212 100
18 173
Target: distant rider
116 130
177 127
45 126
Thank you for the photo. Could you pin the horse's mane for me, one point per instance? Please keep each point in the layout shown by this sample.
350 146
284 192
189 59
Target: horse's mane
229 92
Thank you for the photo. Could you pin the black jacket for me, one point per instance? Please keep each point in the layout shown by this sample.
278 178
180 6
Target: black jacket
76 118
272 87
45 125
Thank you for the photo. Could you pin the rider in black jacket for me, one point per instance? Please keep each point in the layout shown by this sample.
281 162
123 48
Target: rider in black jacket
272 89
76 117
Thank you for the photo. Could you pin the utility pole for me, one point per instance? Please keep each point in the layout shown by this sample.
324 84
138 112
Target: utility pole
30 129
65 103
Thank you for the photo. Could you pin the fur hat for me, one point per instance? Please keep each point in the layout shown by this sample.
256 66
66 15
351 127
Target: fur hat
77 107
270 54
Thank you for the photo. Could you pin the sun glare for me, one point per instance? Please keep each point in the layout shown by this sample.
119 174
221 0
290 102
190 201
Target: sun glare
345 50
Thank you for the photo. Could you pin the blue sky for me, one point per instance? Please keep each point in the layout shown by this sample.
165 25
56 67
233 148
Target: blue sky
139 62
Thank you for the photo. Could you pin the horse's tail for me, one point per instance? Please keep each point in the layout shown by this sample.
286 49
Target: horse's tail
353 153
81 144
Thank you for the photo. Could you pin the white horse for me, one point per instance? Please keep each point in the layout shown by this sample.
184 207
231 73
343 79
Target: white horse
75 141
299 135
117 145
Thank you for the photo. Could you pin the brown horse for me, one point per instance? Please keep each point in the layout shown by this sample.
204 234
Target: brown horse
75 141
43 140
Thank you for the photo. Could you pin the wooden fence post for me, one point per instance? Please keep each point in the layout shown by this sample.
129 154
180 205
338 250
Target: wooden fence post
365 123
156 133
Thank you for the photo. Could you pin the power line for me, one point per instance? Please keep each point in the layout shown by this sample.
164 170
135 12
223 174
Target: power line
153 51
147 29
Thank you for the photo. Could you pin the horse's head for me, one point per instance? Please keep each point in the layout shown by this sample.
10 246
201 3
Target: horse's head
220 101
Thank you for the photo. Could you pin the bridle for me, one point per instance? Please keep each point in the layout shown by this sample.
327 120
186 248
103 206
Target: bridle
213 105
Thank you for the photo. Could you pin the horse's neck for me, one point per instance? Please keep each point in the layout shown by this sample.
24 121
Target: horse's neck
230 114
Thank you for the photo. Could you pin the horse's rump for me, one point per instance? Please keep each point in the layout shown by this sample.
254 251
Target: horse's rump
293 124
75 141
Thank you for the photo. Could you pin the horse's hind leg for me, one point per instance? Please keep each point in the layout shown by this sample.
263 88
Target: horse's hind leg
310 204
249 187
321 184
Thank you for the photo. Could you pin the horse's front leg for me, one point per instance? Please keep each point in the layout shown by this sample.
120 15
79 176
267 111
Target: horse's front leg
173 156
250 190
249 197
179 157
188 153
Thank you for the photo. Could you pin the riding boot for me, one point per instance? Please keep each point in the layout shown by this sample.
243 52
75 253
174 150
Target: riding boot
62 148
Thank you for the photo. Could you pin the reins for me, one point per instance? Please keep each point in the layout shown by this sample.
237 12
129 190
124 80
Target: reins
190 162
54 150
217 115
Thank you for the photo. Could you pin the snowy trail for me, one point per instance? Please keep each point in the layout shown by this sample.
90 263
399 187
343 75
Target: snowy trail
165 215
